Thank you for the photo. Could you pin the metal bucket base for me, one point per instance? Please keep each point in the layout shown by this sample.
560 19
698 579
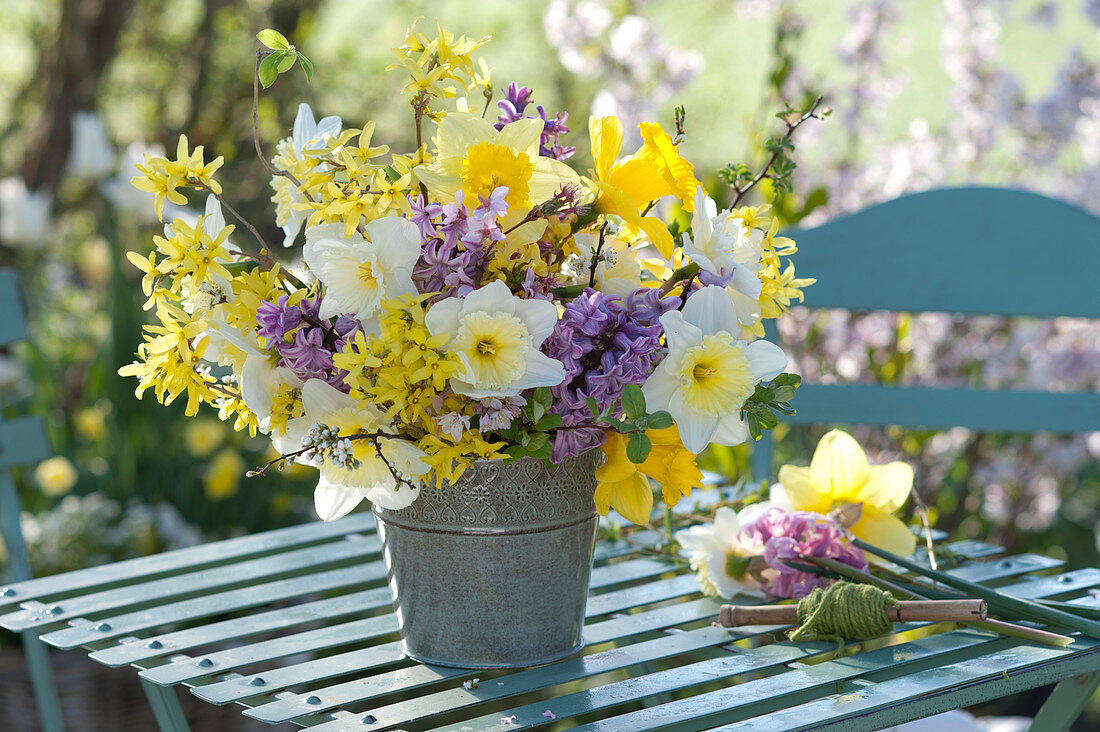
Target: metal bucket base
450 664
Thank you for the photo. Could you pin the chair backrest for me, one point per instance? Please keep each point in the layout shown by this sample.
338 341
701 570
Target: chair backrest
973 251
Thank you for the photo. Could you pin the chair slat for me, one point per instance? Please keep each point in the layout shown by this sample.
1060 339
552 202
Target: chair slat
296 562
930 407
183 560
968 682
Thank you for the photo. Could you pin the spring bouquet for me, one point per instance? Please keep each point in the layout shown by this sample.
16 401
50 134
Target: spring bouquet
476 297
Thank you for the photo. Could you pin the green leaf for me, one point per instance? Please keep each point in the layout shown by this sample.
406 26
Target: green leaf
593 406
638 447
307 66
633 401
536 410
782 393
659 420
267 72
753 424
768 420
538 441
515 452
285 62
550 421
273 39
544 396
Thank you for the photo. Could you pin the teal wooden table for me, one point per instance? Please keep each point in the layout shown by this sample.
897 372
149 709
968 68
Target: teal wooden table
295 625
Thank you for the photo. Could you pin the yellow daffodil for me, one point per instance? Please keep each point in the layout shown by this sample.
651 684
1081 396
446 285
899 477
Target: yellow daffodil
841 482
625 187
624 485
471 156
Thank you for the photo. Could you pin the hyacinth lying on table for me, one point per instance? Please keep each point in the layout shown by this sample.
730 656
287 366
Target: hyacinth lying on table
473 298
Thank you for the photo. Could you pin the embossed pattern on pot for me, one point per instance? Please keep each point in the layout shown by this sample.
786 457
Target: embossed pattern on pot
492 571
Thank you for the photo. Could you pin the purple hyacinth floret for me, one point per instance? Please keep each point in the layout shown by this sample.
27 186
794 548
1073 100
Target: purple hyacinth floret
605 343
515 101
790 535
304 343
458 240
275 320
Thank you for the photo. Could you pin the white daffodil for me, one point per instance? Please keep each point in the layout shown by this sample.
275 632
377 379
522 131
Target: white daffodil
718 554
709 373
722 245
497 336
343 484
24 215
91 154
358 274
618 272
306 135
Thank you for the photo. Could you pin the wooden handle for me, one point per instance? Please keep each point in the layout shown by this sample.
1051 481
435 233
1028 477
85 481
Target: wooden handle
957 611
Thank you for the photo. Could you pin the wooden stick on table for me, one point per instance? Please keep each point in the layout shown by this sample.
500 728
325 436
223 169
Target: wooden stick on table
958 611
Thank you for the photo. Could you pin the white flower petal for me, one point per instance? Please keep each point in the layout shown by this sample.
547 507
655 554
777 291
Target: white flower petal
680 335
726 526
335 501
392 496
541 371
731 430
659 389
290 440
696 428
716 572
304 126
320 399
328 126
406 457
766 360
397 241
697 541
443 317
711 310
334 232
540 317
494 297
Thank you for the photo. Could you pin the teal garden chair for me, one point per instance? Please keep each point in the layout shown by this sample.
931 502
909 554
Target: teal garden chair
972 251
23 440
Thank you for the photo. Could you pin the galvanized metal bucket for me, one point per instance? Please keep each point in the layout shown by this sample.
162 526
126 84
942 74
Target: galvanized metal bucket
492 571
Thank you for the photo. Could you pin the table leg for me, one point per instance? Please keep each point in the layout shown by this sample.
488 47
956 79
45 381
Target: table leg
166 707
1065 703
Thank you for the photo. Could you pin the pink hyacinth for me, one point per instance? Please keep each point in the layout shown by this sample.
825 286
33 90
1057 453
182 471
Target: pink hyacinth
791 535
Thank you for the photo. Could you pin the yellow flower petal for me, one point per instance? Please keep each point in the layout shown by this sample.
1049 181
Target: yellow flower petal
803 491
632 498
606 134
618 466
885 531
888 487
840 465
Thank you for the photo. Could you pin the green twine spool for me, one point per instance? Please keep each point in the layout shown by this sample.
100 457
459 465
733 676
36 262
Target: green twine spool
844 611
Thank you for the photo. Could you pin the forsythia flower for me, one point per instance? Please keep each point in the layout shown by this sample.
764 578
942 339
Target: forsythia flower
840 482
162 177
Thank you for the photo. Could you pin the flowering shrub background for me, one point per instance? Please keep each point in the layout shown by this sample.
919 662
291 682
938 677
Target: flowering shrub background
947 92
